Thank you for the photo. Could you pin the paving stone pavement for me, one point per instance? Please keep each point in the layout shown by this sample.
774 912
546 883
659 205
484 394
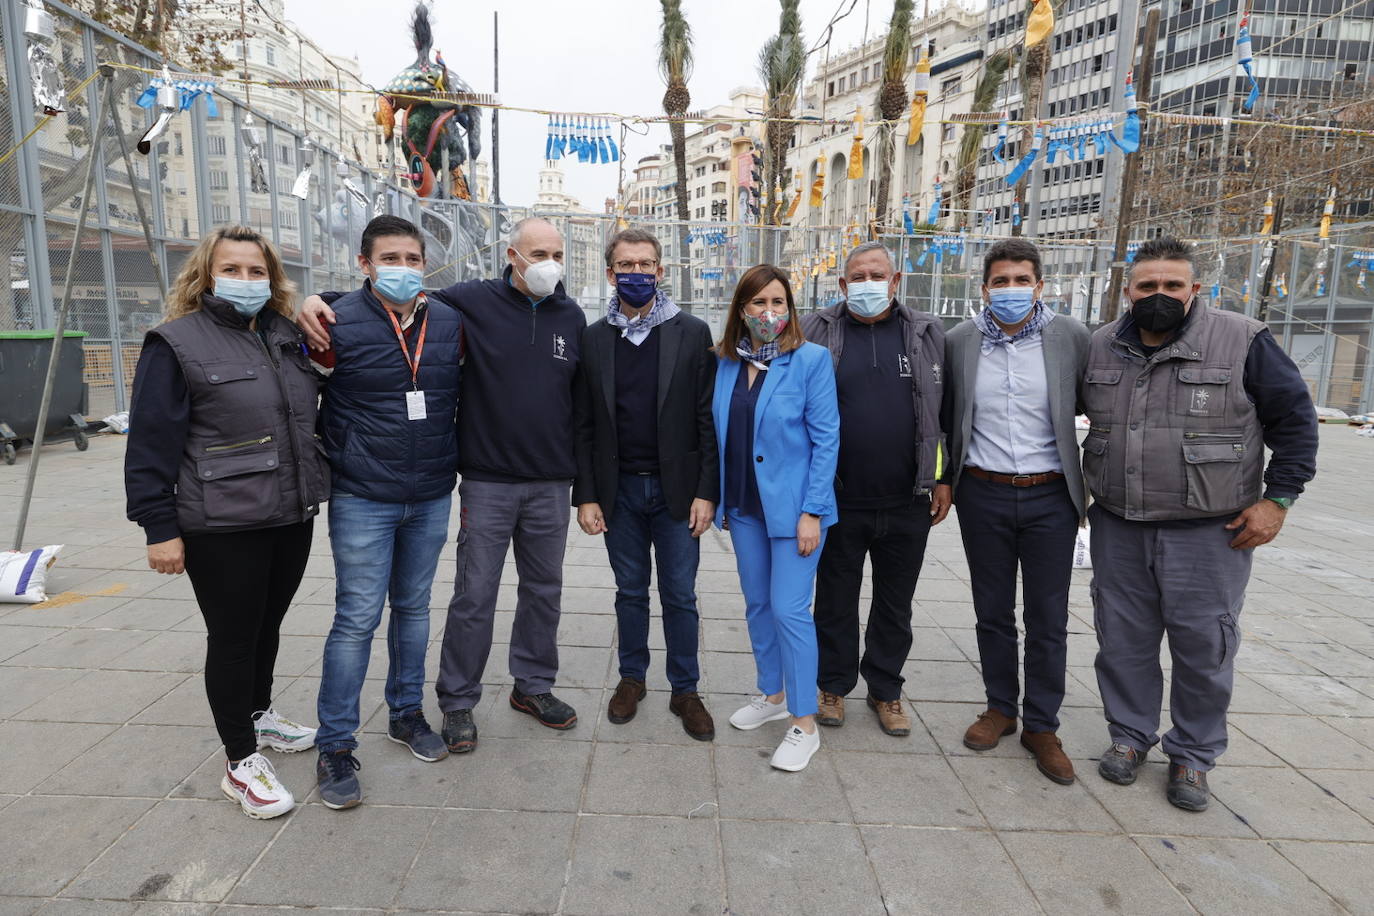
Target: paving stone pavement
109 799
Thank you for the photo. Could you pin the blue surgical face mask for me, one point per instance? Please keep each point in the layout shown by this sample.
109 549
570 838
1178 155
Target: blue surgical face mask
635 290
868 299
1010 304
399 284
246 296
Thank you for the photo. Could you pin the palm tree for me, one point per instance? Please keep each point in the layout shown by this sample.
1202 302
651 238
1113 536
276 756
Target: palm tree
966 171
892 96
782 63
1035 64
675 66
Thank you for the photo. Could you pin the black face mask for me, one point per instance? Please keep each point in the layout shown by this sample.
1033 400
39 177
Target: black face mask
1158 312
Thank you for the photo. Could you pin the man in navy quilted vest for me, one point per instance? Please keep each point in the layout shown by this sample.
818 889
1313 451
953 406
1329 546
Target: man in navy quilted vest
388 426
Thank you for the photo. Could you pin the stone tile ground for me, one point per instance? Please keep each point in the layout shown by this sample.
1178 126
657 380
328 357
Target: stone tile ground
109 799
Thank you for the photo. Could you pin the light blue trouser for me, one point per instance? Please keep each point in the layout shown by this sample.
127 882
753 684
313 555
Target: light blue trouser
777 585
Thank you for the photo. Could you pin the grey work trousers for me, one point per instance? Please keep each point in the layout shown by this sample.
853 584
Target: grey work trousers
1184 580
534 515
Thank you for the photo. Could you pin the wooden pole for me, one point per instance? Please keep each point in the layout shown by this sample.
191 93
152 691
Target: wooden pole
1263 312
1130 172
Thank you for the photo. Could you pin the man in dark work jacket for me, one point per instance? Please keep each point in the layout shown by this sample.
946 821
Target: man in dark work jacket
647 471
521 340
889 360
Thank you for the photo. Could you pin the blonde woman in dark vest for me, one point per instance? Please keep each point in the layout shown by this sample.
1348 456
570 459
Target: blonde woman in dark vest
224 475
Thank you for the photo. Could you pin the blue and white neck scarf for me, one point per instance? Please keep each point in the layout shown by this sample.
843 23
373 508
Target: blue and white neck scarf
994 336
636 330
760 357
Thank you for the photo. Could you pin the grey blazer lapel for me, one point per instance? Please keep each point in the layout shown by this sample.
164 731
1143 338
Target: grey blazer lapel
668 345
1053 348
971 352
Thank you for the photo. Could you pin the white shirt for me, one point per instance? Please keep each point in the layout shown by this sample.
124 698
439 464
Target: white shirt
1012 431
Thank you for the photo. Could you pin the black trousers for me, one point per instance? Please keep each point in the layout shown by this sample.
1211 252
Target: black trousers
244 582
895 539
1004 527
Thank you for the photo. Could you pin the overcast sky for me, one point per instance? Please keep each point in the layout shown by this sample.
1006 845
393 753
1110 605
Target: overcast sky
594 55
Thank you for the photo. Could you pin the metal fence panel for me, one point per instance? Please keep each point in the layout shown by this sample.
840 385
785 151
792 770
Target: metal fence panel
199 175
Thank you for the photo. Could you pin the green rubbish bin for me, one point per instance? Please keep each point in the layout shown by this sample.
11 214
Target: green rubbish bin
23 369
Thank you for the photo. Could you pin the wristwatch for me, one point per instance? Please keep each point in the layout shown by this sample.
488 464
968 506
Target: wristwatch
1283 501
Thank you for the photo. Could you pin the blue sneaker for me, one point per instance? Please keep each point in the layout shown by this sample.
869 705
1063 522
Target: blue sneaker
336 772
414 732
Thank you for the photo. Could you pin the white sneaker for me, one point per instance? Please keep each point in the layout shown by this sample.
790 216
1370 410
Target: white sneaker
253 784
758 712
796 750
281 734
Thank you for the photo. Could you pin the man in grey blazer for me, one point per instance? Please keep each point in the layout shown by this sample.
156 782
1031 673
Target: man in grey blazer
1011 393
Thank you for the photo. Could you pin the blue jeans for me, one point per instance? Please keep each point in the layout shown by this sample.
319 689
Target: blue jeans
641 519
777 584
380 550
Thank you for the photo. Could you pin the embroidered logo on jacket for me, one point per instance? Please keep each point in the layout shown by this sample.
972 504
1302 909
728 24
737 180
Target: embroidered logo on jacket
903 366
559 347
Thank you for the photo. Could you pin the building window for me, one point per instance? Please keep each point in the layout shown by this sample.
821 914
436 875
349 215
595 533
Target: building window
718 187
829 89
219 213
217 144
949 87
219 180
950 132
271 55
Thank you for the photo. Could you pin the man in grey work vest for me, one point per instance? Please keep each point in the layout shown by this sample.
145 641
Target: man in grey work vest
1182 399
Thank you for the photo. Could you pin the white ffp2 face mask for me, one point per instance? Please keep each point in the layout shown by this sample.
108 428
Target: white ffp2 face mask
542 277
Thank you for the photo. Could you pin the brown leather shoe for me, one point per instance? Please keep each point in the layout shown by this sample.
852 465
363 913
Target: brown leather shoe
829 709
625 702
989 728
1050 758
696 721
892 719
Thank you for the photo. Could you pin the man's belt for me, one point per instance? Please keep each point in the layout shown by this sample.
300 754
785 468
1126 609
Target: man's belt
1016 480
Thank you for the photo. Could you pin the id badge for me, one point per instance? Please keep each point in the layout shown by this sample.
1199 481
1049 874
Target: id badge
415 405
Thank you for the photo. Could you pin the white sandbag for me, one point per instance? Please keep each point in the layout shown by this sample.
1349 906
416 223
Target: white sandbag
1082 552
23 572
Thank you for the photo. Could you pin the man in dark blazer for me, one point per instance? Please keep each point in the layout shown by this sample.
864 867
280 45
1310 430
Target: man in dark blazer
647 473
1011 394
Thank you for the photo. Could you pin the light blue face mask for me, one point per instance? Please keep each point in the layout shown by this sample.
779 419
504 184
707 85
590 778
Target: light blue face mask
867 299
247 296
399 284
1010 304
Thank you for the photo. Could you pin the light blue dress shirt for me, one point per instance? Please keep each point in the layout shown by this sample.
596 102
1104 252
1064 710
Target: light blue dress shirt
1013 432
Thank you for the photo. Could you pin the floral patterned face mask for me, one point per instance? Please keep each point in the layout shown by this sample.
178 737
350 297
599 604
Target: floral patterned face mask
767 326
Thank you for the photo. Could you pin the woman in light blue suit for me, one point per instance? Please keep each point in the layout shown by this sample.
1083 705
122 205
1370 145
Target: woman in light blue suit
778 429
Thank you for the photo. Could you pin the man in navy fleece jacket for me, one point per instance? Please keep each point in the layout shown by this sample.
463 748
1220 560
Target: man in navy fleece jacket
515 455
